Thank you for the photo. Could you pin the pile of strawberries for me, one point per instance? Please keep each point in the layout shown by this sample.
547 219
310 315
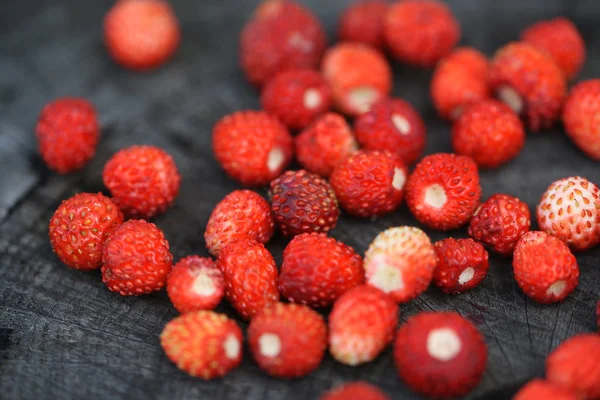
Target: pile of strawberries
361 169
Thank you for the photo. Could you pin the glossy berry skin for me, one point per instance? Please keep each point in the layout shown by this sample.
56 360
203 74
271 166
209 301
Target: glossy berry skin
490 133
141 34
500 222
440 347
369 183
392 125
362 22
581 117
544 267
67 133
241 214
203 344
143 180
361 324
462 265
317 270
287 340
136 259
355 391
443 191
540 389
253 147
79 228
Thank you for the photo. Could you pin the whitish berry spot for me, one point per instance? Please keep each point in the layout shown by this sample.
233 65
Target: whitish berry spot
269 345
298 41
362 98
399 179
401 124
203 283
511 98
385 277
466 275
232 347
435 196
557 288
312 99
275 159
443 344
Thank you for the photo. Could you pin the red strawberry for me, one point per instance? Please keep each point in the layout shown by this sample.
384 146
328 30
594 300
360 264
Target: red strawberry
544 267
392 125
369 183
400 261
79 227
462 265
570 210
500 222
440 347
325 144
303 202
287 340
443 191
141 34
355 391
253 147
136 259
362 22
361 324
195 283
580 117
540 389
317 269
143 180
203 344
241 214
67 133
250 276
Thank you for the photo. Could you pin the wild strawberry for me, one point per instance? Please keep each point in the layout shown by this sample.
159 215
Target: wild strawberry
296 97
369 183
195 283
570 211
141 34
303 202
443 191
358 76
79 227
250 276
203 344
392 125
440 347
287 340
67 133
500 222
529 82
136 259
468 58
420 32
355 391
540 389
253 147
462 265
241 214
489 132
362 22
580 117
362 323
317 269
544 267
143 180
325 144
400 261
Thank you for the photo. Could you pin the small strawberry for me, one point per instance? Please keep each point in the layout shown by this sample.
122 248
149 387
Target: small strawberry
362 22
203 344
468 58
443 191
287 340
540 389
580 117
544 267
355 391
362 323
136 259
462 265
317 269
400 261
440 347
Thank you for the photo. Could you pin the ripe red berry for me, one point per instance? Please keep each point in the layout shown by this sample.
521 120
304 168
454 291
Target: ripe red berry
79 228
544 267
253 147
443 191
287 340
203 344
361 324
392 125
195 283
462 265
400 261
369 183
67 133
362 22
580 117
141 34
440 347
540 389
136 259
317 269
143 180
355 391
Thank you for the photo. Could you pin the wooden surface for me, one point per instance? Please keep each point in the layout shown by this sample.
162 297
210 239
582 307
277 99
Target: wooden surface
64 335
